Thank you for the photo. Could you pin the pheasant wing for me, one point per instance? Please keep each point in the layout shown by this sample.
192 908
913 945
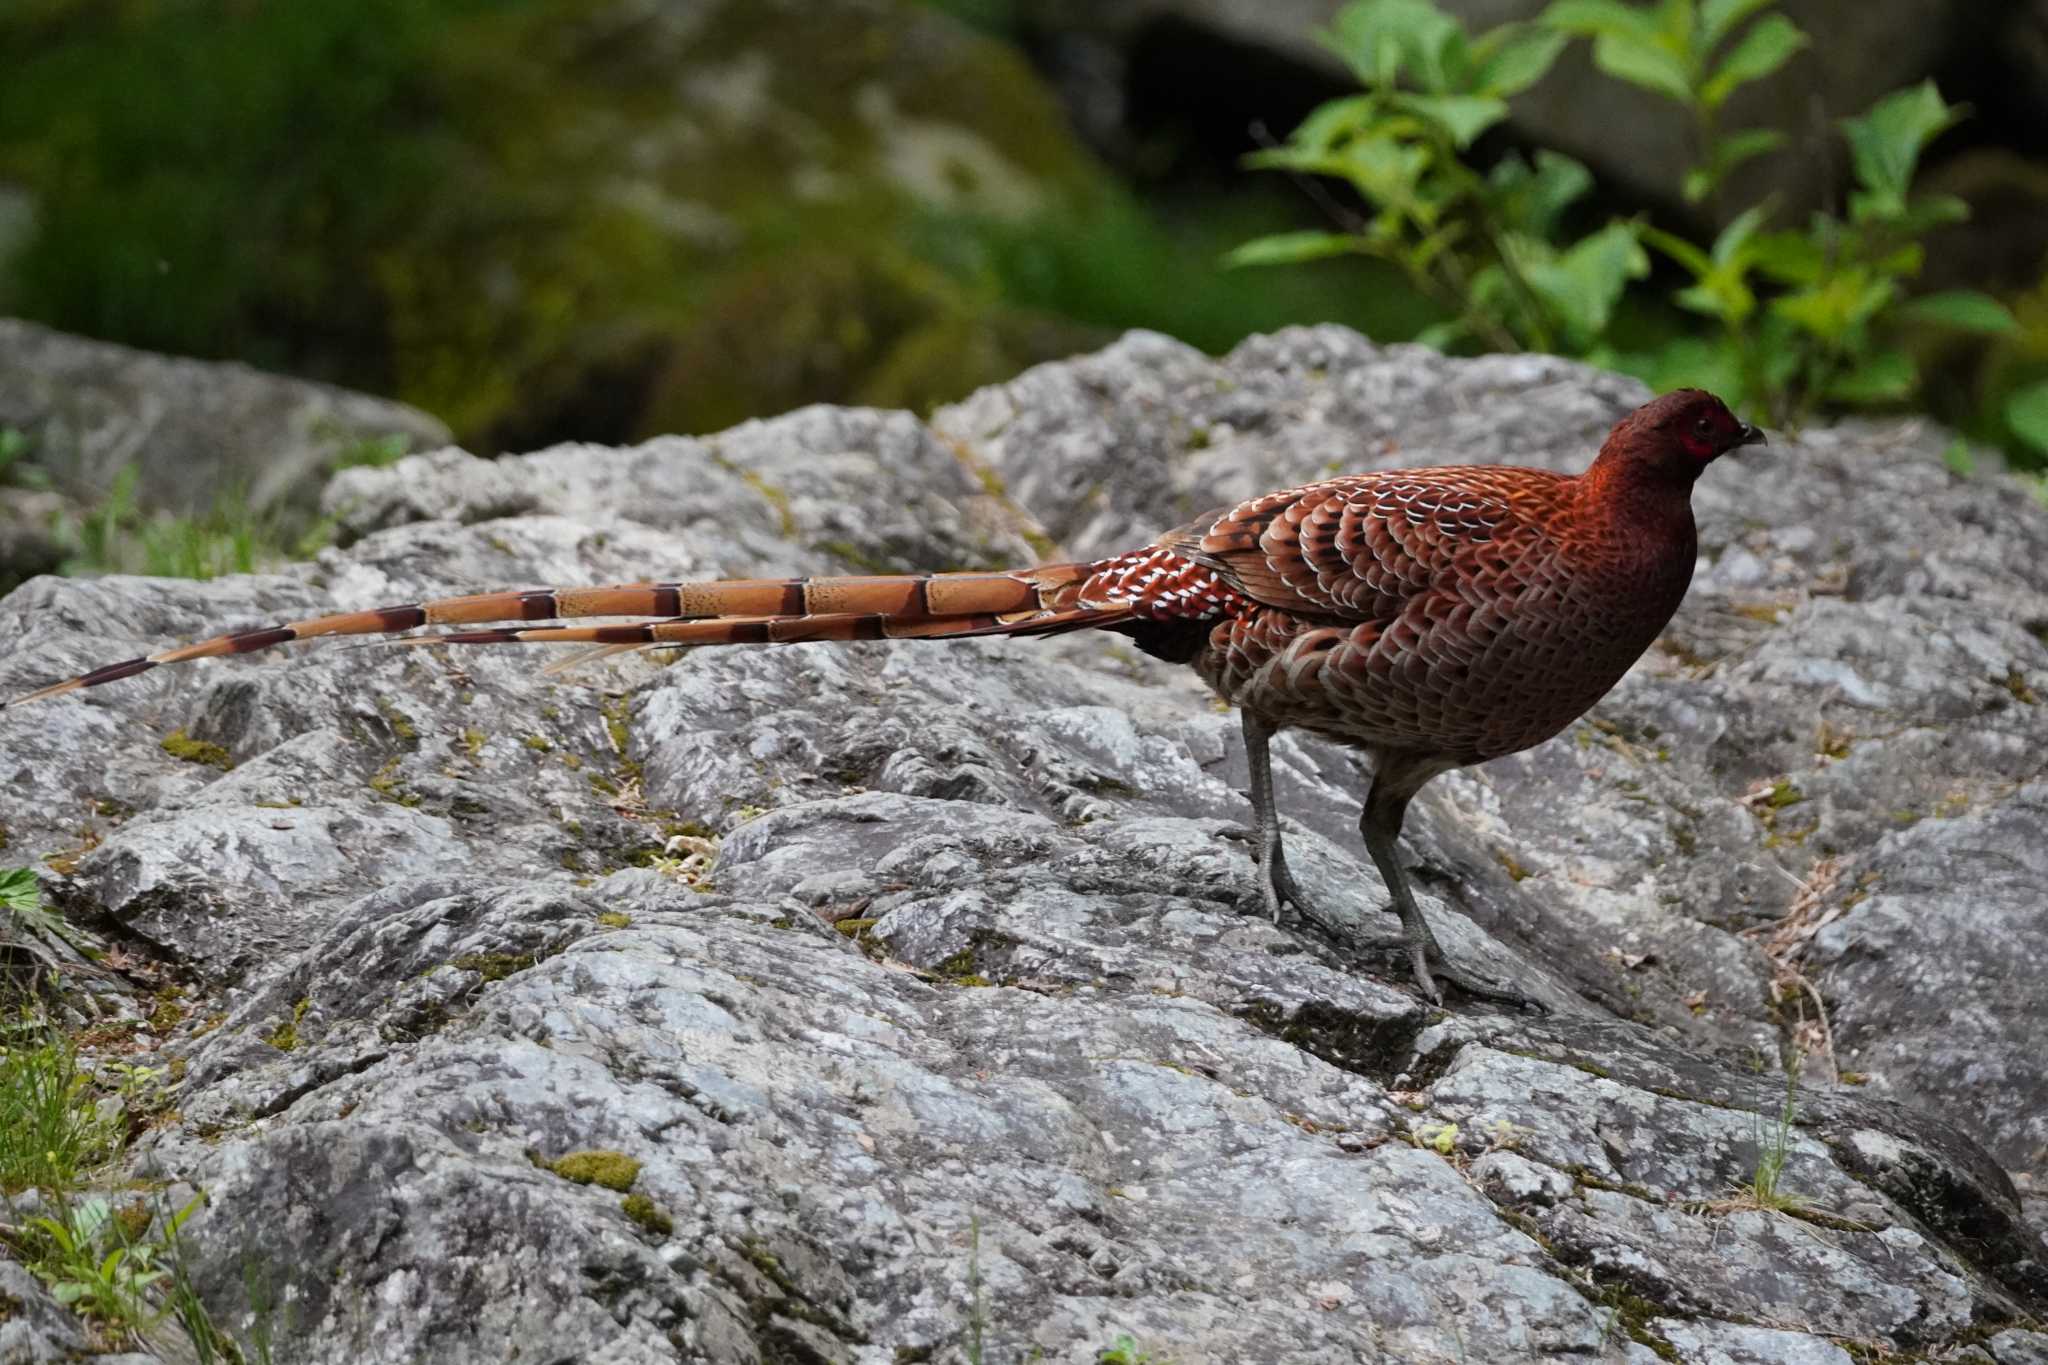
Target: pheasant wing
1362 547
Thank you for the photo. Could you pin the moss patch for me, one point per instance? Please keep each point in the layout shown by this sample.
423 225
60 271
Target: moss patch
401 725
494 966
598 1166
384 782
285 1037
647 1213
959 969
183 747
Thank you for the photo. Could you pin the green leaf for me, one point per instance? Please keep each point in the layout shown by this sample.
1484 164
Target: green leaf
1769 44
1464 117
1512 58
1330 123
1719 18
1920 215
1885 143
1379 166
1965 310
1291 248
1836 305
21 891
1788 257
1441 336
1885 377
1734 240
1531 198
1677 248
1959 459
1676 20
1644 62
1592 18
1380 39
2026 412
1728 153
1583 284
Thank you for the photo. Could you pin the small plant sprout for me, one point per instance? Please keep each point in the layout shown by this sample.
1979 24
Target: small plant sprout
1765 1188
52 1136
1126 1351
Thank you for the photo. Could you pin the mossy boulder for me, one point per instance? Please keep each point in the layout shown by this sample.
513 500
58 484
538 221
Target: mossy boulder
538 217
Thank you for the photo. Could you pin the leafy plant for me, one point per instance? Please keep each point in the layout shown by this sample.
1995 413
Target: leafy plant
109 1265
51 1133
1808 317
1486 246
28 926
1696 55
1765 1188
119 536
1812 316
2026 413
1125 1351
21 896
84 1255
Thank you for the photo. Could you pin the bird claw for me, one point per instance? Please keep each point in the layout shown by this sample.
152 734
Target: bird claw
1278 889
1479 987
1422 946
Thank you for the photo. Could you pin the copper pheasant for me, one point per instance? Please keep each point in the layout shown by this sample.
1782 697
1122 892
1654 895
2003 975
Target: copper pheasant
1433 617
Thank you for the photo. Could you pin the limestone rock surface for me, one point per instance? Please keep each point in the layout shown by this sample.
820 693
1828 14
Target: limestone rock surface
193 431
923 996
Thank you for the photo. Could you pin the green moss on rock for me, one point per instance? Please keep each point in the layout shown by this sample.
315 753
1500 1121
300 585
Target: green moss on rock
598 1166
494 966
285 1037
648 1214
182 746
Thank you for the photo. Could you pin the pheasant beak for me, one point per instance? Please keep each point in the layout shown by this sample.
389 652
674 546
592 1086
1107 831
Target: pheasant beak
1752 436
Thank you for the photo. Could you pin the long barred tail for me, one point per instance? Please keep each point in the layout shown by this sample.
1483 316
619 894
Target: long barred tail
1048 599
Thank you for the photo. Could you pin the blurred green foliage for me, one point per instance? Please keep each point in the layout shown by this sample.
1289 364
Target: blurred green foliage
1695 55
544 218
1817 316
211 179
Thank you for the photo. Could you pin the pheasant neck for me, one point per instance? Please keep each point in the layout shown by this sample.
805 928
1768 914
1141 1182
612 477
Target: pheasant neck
1627 501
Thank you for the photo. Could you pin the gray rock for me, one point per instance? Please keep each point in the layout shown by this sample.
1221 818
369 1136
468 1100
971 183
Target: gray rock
928 989
1705 1342
27 544
33 1326
2019 1348
195 431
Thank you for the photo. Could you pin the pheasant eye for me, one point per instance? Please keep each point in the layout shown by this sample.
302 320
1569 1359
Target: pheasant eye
1703 427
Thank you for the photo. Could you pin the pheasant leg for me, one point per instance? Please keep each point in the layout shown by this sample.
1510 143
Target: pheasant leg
1380 824
1277 885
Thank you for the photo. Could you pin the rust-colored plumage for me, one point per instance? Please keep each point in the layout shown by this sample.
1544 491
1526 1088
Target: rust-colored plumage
1435 617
